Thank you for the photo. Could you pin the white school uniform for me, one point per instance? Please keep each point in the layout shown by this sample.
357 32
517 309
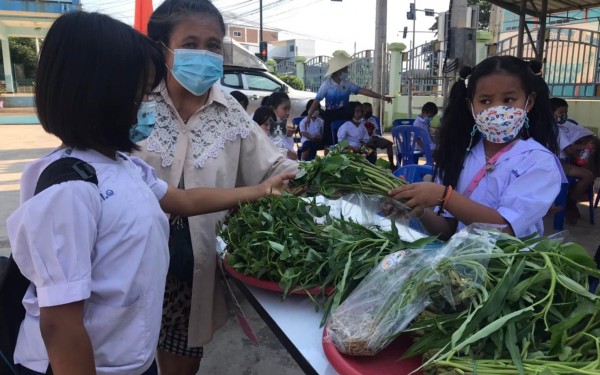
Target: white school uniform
569 133
522 186
355 135
314 128
105 245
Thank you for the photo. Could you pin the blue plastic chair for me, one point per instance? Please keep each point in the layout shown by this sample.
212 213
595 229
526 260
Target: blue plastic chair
405 140
402 121
561 200
335 126
414 172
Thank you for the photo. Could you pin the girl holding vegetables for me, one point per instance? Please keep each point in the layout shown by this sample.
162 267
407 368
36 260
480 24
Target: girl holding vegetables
496 161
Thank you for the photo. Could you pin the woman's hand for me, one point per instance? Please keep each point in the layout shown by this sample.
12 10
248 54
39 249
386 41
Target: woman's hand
276 184
419 196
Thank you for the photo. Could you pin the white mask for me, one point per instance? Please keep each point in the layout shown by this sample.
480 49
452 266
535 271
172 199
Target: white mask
500 124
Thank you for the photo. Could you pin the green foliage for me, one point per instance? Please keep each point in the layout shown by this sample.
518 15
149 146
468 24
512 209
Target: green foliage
484 13
341 52
22 51
293 81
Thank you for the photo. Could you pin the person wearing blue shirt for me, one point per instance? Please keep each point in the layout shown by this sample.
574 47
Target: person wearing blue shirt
336 91
428 112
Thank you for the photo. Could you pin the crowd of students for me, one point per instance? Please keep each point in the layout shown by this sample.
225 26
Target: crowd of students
102 298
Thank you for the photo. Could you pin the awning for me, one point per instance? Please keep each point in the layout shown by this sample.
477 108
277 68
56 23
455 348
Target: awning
534 7
539 9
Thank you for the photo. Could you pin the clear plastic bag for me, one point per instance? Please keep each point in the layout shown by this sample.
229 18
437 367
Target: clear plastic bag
374 210
404 284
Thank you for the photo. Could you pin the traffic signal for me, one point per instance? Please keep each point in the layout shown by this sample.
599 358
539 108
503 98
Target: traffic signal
410 15
404 32
263 51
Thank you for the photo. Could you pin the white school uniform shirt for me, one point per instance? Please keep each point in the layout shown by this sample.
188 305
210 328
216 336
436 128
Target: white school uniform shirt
314 128
522 186
355 135
569 133
420 122
106 245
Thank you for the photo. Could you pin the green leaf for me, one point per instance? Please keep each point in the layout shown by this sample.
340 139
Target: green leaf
575 287
577 254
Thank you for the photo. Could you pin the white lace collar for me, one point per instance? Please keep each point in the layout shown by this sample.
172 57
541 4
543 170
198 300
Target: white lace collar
220 120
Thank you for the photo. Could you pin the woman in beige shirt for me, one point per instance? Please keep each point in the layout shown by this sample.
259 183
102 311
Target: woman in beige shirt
202 137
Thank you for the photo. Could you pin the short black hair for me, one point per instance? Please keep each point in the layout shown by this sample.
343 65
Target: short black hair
262 114
241 98
277 98
350 108
171 12
92 75
430 107
555 103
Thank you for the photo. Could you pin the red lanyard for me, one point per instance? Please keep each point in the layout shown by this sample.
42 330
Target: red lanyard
489 166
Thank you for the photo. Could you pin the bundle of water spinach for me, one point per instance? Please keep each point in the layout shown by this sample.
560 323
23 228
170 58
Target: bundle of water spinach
534 316
296 243
341 172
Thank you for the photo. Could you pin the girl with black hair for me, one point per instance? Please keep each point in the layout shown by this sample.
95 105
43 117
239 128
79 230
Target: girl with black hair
495 161
97 254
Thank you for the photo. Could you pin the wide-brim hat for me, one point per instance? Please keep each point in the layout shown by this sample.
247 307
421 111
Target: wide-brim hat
338 63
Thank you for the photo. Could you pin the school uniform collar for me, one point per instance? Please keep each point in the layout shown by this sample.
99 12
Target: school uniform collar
89 155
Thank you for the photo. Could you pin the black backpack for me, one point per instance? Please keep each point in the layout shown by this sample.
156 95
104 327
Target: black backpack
13 284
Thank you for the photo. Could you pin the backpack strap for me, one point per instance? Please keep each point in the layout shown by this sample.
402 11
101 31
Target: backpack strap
63 170
14 285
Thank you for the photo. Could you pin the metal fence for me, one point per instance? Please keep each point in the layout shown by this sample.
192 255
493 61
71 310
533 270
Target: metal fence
314 72
421 70
571 67
286 67
359 72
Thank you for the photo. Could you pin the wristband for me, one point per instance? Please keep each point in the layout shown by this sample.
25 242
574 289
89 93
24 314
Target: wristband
444 199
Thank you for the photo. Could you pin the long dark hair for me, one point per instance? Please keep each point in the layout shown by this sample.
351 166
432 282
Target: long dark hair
457 122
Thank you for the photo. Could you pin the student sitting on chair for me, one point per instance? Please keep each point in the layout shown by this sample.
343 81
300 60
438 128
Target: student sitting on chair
575 142
423 120
312 135
376 141
354 131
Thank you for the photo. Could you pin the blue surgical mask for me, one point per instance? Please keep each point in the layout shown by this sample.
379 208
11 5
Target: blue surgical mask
197 69
343 76
146 118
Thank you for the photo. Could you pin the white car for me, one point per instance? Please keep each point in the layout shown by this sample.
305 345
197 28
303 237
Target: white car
257 83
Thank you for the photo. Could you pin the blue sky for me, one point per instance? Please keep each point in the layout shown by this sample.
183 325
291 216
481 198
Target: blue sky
346 24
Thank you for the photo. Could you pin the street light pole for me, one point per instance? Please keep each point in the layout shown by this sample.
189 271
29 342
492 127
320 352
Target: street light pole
260 36
411 77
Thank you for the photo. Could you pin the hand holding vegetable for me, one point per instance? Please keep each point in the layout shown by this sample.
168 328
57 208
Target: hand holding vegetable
419 196
276 184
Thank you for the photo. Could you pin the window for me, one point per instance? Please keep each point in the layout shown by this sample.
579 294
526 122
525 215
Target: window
258 82
292 48
237 33
232 80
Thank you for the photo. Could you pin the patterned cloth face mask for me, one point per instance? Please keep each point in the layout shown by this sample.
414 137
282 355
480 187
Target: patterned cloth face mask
500 124
146 118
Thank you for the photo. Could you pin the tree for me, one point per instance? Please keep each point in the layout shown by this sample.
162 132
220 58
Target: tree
484 15
22 51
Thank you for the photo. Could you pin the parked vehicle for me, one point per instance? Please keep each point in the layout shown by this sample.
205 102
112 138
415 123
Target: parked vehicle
258 83
245 72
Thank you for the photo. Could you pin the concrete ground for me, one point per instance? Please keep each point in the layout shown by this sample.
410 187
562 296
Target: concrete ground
230 353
